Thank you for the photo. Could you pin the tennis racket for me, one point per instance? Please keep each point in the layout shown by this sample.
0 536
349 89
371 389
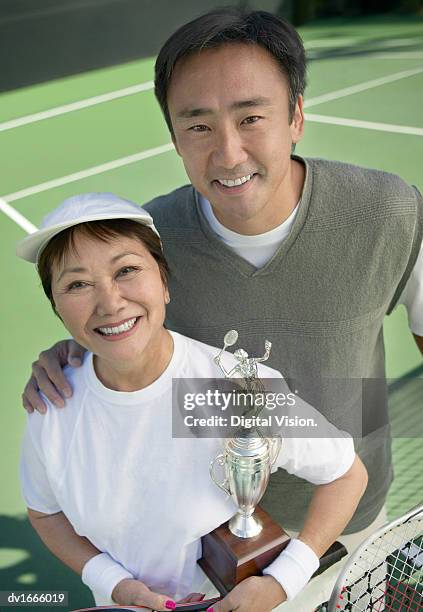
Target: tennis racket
386 572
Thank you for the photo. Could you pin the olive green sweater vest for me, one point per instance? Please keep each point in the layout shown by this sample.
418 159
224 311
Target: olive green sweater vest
321 301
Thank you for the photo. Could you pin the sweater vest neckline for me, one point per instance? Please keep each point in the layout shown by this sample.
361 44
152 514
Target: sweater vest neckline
232 259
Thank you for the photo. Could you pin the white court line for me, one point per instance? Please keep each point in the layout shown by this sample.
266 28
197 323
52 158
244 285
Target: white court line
399 42
75 106
367 125
77 176
374 44
17 217
328 42
398 55
348 91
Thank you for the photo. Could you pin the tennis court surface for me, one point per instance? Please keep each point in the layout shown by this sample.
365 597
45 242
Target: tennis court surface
103 131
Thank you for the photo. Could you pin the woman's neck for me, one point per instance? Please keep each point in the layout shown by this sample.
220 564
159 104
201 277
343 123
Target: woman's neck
134 376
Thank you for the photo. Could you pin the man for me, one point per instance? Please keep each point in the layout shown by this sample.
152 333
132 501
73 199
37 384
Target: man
308 253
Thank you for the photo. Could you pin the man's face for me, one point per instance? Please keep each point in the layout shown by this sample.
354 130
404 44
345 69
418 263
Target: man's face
230 116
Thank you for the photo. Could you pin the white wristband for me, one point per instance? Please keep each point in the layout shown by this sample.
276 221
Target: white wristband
101 574
294 567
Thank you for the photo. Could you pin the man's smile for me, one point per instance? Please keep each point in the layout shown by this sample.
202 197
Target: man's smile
236 181
235 186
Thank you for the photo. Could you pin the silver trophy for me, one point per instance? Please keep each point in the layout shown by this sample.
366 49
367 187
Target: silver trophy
247 458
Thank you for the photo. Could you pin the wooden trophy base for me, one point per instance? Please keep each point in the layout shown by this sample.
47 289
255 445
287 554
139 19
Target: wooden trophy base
227 559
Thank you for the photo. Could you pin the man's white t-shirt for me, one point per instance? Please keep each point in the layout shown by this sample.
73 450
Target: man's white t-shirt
109 463
259 249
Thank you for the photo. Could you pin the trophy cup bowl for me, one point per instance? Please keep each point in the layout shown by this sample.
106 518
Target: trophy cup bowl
246 462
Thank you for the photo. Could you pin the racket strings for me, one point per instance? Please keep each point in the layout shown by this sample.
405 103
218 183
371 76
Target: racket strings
388 574
404 582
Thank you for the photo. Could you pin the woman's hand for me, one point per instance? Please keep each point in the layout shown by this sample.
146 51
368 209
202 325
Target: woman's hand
47 376
135 593
258 593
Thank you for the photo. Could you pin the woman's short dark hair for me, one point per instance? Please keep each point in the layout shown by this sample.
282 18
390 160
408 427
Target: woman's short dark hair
107 230
234 25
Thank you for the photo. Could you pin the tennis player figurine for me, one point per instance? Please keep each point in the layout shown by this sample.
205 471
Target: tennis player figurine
249 456
246 368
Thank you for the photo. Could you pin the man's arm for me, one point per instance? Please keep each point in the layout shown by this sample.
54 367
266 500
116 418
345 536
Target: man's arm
419 342
80 555
332 507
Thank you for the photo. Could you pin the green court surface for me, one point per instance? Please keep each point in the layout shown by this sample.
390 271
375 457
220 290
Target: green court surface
373 72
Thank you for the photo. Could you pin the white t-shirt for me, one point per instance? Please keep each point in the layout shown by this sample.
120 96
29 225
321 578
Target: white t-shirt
109 463
259 249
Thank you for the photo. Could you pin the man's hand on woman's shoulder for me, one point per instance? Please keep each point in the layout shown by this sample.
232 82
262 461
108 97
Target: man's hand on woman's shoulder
47 376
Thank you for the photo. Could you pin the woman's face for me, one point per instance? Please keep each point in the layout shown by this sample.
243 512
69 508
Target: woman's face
111 298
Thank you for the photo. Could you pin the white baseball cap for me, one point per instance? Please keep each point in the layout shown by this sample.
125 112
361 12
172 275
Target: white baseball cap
80 209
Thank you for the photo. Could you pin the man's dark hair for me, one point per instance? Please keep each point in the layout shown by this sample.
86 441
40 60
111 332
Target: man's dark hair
233 25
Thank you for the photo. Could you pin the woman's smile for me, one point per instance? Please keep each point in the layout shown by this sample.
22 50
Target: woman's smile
117 331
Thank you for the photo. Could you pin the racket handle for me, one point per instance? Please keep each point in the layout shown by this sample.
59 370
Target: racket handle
201 605
334 554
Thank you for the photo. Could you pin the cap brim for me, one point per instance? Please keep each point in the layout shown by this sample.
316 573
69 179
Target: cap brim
31 246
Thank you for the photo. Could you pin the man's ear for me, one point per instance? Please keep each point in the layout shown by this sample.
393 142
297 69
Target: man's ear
297 123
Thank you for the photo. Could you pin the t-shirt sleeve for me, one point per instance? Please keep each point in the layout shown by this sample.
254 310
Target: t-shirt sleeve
318 460
322 455
36 487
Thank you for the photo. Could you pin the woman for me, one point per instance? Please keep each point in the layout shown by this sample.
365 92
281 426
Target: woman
108 489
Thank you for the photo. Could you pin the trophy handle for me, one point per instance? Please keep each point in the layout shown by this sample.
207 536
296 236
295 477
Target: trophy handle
220 459
275 447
